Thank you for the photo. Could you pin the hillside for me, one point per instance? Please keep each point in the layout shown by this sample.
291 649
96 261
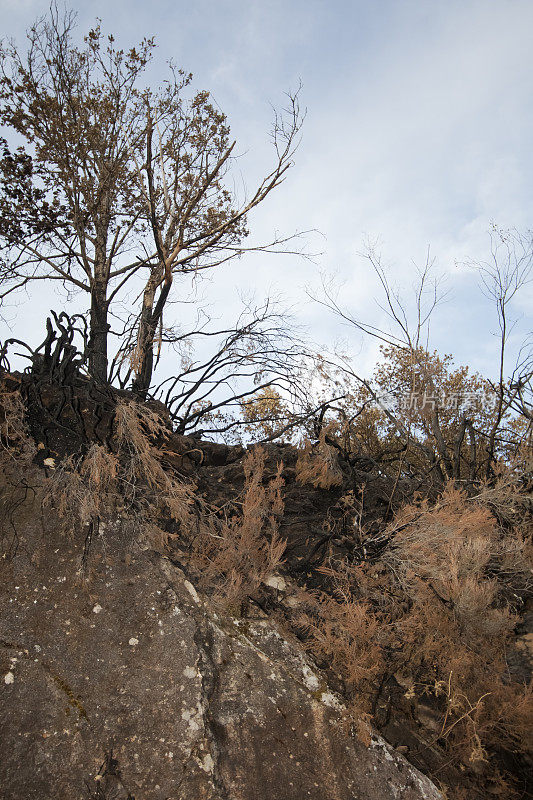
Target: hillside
189 619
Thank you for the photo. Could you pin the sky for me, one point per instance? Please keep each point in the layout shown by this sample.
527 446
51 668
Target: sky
418 135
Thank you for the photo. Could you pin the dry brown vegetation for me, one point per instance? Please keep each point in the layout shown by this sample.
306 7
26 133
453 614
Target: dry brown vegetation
17 450
126 479
16 445
318 465
437 611
236 554
231 550
84 490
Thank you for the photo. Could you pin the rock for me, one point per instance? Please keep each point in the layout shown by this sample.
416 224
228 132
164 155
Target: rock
161 697
276 582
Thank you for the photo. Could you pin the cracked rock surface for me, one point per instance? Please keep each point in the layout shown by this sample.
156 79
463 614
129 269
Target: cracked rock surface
126 683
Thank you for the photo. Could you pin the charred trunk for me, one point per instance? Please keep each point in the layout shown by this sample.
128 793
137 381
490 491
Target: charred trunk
99 329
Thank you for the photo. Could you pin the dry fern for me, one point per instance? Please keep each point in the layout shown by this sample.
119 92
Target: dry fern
129 481
146 485
318 465
84 490
235 557
16 444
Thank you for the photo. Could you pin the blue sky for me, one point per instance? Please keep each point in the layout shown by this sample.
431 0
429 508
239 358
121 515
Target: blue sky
418 131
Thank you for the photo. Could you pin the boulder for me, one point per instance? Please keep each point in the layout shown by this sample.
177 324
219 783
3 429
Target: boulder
119 680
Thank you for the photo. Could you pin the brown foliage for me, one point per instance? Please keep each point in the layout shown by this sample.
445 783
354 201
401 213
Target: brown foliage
84 490
17 451
345 632
437 610
128 480
463 578
16 445
318 464
240 553
139 435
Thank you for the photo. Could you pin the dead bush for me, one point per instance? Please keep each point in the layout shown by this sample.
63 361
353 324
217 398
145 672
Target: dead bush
128 481
437 610
17 451
16 444
235 556
147 487
504 495
84 491
456 573
461 552
345 633
318 464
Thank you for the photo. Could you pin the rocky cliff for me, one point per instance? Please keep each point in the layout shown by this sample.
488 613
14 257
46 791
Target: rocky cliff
128 683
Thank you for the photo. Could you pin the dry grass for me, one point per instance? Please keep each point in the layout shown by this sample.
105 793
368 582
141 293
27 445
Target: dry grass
127 480
462 578
232 555
17 451
346 635
147 487
84 490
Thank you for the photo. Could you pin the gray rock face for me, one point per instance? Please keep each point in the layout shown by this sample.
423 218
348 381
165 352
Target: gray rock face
125 683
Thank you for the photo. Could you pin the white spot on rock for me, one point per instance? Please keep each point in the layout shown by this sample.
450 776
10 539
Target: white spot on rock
97 608
9 677
192 591
193 718
133 641
207 763
310 679
189 672
330 700
276 582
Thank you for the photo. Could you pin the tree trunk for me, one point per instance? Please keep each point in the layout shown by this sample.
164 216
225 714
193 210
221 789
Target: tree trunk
149 320
147 329
440 444
99 328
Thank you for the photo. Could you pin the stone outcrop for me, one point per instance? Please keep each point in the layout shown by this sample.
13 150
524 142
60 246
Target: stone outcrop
123 682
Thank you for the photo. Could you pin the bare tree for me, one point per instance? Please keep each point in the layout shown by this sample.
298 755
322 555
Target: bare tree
466 440
403 332
508 270
261 350
520 387
407 334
